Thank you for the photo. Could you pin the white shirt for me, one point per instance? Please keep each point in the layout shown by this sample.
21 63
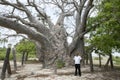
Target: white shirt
77 59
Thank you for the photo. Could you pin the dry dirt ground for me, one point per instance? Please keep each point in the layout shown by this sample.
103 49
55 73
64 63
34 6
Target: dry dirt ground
35 72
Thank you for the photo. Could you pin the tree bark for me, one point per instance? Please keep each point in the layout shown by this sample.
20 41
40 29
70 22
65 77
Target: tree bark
99 60
80 46
81 18
87 59
9 69
23 58
52 38
43 58
6 65
91 62
106 65
26 56
14 59
111 61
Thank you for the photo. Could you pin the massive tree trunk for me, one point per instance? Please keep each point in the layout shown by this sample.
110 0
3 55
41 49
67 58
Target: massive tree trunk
81 19
52 46
51 39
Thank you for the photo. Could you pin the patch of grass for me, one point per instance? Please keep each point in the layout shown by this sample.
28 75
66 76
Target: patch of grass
97 58
117 60
2 56
31 56
60 63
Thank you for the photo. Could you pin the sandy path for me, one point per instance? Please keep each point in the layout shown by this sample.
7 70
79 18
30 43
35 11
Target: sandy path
35 72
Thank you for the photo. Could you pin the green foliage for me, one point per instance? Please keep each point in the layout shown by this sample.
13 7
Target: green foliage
60 63
105 37
3 53
2 56
117 60
31 55
26 46
23 46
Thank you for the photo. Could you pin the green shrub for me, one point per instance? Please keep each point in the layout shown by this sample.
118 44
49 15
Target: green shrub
31 56
2 56
60 63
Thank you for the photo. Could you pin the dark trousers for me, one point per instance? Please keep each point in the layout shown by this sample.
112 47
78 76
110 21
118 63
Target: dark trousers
77 69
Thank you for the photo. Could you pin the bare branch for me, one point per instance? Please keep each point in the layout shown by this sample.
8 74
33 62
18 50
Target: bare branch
21 19
88 7
29 2
19 28
30 16
14 35
42 14
69 13
40 11
4 2
33 23
49 2
21 7
76 5
13 10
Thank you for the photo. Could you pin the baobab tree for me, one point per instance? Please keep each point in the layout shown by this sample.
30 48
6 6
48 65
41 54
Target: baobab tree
36 23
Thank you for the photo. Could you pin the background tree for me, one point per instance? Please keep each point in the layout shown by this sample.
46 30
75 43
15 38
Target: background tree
26 47
105 38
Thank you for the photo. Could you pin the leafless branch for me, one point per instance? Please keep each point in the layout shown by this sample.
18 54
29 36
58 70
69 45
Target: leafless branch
21 7
76 5
19 28
30 16
21 19
4 2
15 35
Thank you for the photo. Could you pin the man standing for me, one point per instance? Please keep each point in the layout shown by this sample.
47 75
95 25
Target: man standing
77 60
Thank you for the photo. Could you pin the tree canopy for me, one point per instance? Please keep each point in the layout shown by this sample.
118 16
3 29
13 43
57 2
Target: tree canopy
26 46
106 36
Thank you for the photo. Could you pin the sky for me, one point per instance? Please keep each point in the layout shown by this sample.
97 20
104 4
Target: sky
11 40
